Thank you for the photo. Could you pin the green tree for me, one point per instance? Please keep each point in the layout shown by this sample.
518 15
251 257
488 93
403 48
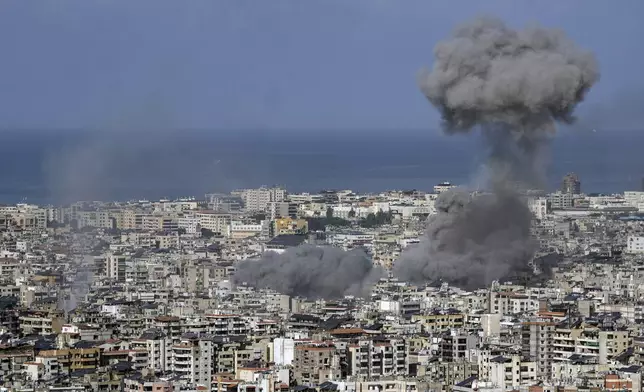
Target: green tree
329 213
352 213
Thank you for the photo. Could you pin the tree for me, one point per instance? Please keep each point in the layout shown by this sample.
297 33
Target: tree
352 213
329 213
373 220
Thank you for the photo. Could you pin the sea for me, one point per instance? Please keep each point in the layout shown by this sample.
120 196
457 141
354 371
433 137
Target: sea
62 166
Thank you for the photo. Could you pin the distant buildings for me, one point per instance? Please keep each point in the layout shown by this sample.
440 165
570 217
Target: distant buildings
571 184
259 199
138 296
443 186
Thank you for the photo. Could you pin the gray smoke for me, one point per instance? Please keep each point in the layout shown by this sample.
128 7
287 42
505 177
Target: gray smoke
312 272
489 74
471 241
515 86
81 283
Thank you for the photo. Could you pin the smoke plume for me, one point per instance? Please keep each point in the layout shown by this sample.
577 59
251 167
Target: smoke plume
515 86
312 272
471 241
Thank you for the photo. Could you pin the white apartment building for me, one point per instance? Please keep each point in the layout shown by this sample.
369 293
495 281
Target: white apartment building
115 267
635 244
193 359
539 207
510 303
158 348
507 371
258 199
239 229
373 359
188 222
634 199
283 351
211 220
345 211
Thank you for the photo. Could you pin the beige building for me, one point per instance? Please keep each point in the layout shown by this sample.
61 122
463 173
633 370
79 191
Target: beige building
258 199
99 219
40 323
599 346
439 322
315 364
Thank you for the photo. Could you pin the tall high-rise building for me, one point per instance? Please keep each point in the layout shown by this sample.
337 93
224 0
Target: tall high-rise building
571 184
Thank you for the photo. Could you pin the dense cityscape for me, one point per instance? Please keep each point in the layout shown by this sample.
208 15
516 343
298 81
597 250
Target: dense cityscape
496 281
141 295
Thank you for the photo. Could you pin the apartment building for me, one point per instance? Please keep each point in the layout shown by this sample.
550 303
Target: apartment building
40 323
258 199
370 358
159 222
281 209
115 266
157 347
589 342
23 216
146 382
227 324
213 221
12 361
99 219
8 268
315 364
240 229
505 372
456 347
635 244
537 345
71 359
289 226
511 303
192 358
124 219
439 321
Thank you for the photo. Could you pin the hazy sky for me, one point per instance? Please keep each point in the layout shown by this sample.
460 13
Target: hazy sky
268 63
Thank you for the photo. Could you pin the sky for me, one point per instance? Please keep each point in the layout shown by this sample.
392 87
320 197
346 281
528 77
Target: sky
278 64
